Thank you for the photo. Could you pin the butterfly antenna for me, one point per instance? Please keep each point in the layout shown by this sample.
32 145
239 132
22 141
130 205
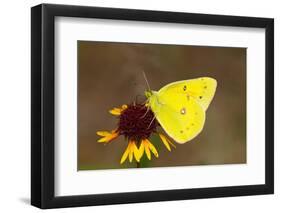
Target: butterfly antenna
145 78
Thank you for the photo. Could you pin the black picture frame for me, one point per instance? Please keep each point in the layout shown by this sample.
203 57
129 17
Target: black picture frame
43 102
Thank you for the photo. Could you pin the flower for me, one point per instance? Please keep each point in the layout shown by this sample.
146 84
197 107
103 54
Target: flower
136 122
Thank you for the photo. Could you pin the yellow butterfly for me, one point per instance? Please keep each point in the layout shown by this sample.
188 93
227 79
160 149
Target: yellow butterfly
180 106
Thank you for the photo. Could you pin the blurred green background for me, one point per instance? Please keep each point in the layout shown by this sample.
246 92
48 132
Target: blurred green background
110 74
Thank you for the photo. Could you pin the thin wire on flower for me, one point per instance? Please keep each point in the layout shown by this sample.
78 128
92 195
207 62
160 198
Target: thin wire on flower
136 123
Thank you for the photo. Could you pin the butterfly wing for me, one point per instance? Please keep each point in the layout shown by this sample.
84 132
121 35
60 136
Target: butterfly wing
181 118
180 107
200 89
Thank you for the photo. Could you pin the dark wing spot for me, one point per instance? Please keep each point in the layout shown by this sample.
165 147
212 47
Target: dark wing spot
205 87
192 124
184 87
181 131
200 97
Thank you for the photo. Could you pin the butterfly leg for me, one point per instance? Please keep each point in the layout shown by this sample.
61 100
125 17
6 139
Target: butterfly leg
151 122
145 113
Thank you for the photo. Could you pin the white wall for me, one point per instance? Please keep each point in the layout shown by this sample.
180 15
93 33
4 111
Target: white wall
15 105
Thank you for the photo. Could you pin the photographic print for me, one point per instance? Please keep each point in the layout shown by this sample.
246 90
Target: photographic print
160 105
128 95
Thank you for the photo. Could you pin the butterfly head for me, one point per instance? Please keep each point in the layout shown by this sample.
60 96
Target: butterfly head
152 97
148 94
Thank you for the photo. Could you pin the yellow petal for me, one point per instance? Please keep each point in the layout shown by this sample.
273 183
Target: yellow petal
117 111
141 149
146 149
131 151
136 152
173 145
125 155
124 106
107 136
165 142
153 149
103 140
103 133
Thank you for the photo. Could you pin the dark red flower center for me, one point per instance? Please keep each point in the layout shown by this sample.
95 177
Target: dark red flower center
137 122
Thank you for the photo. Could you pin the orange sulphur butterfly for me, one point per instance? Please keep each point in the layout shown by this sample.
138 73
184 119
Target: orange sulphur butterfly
180 107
